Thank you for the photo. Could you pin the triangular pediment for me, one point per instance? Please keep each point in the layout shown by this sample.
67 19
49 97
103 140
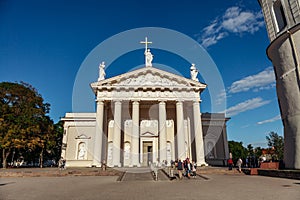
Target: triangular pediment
149 77
148 134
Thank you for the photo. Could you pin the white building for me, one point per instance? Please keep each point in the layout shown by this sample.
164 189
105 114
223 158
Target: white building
146 115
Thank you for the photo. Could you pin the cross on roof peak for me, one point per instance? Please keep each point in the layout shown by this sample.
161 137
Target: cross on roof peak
146 43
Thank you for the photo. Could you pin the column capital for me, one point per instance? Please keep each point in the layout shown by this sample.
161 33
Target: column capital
197 101
179 101
162 102
136 102
117 102
100 102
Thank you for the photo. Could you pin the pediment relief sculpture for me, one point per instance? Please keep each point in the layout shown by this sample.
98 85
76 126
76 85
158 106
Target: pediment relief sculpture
148 80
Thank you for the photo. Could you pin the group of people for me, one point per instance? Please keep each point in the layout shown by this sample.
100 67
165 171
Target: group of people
185 168
239 163
249 162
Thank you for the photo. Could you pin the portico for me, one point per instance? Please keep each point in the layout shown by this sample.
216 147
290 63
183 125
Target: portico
149 111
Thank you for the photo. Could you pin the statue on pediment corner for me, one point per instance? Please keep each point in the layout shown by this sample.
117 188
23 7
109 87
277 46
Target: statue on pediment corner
194 73
101 71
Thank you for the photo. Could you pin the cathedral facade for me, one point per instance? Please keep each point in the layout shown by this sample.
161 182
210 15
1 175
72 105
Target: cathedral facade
145 116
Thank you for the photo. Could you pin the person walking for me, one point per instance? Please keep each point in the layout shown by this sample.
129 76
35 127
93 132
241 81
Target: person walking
194 169
230 163
188 168
239 164
179 169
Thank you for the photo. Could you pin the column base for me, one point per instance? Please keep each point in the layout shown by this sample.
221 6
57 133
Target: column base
118 165
201 164
135 165
96 165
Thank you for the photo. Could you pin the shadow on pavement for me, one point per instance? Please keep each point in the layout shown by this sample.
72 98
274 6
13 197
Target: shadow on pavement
4 184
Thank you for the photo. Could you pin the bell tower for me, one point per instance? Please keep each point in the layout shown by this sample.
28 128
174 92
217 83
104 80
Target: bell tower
282 18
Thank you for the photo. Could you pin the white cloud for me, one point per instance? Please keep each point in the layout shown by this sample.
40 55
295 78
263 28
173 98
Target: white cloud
261 81
270 120
249 104
262 144
221 98
234 20
245 126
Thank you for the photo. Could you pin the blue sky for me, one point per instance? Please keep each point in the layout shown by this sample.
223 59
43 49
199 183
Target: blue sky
44 44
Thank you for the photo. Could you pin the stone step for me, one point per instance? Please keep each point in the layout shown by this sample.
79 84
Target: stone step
147 176
162 176
218 170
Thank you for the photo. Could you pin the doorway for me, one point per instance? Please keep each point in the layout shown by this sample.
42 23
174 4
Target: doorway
147 152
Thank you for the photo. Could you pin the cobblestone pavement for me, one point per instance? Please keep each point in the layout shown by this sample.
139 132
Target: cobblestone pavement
224 187
138 176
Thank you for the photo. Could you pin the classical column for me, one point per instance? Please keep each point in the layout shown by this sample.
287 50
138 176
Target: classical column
117 134
98 135
135 134
162 132
200 159
180 130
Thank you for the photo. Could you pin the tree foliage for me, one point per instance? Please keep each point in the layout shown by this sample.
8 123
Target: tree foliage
24 126
258 152
276 143
237 150
250 150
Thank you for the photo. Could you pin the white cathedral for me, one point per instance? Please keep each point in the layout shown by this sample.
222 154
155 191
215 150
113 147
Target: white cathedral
145 116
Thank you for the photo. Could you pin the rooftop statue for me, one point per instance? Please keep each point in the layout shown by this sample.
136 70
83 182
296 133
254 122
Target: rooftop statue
194 73
149 58
101 71
148 54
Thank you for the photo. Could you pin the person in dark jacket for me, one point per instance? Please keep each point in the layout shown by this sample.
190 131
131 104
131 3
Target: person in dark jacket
179 169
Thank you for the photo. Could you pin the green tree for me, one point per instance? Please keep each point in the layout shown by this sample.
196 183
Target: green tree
58 133
237 150
45 140
22 111
276 143
250 150
257 152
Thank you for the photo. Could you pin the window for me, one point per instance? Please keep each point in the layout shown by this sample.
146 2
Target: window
280 20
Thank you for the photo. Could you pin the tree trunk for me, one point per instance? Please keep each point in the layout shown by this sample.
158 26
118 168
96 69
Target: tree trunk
41 158
4 158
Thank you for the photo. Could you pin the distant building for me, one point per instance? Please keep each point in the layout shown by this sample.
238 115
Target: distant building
282 19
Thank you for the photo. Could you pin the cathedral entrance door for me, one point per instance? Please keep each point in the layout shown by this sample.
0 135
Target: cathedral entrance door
150 148
147 152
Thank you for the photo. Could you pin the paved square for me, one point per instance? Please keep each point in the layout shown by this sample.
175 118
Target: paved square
225 187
